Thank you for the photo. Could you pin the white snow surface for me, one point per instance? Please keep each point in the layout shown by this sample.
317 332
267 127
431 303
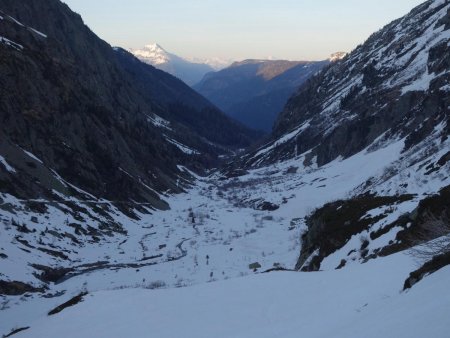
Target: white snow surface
34 157
10 43
17 22
226 235
415 76
37 32
362 301
158 121
152 53
185 149
7 166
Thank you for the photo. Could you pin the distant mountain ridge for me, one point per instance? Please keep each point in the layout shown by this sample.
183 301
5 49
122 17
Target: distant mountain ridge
254 91
215 62
187 71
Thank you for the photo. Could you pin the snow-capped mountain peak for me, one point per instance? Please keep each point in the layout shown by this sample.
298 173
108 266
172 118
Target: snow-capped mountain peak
152 53
189 71
154 46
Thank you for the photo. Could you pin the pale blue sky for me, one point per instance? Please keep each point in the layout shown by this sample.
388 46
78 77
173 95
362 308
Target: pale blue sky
238 29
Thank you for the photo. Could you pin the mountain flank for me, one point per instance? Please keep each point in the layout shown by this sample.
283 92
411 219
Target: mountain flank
254 92
81 118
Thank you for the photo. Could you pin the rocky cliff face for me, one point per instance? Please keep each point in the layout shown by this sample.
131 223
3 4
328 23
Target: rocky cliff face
396 85
392 92
80 118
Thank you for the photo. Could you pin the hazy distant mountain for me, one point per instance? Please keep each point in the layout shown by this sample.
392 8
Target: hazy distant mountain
190 72
214 62
255 91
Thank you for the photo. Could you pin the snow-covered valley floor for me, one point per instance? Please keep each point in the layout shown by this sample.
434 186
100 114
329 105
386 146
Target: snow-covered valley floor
195 270
363 301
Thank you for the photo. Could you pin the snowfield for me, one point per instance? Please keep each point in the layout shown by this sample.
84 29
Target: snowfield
198 251
362 301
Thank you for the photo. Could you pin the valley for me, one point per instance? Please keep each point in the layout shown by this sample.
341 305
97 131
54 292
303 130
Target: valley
131 205
215 231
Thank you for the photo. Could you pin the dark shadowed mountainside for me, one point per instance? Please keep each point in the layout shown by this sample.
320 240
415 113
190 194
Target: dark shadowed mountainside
79 117
255 91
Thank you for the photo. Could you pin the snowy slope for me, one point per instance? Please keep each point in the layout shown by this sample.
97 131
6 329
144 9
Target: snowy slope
153 54
394 85
214 232
389 93
364 301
